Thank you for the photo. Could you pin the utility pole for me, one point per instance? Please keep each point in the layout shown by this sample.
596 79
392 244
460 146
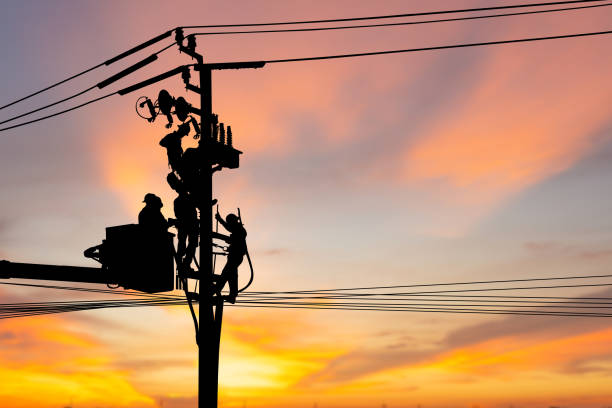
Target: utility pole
212 152
210 319
153 270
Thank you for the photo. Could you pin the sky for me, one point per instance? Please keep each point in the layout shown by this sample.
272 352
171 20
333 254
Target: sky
451 165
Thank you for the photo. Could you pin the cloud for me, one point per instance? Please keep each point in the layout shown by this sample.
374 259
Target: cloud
357 364
46 354
166 401
147 364
511 344
273 251
567 249
508 131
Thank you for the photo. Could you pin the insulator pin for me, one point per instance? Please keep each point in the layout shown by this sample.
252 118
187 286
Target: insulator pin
222 133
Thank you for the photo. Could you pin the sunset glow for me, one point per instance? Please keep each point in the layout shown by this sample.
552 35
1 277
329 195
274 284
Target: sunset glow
483 163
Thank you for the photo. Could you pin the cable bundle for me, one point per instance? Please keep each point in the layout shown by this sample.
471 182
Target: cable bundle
493 297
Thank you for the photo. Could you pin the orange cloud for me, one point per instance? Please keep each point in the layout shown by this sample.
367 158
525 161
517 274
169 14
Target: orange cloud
46 364
271 353
521 354
503 138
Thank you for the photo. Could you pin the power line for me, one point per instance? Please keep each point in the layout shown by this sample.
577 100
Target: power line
575 307
405 23
494 296
69 97
578 301
328 57
418 304
107 62
368 299
29 310
339 293
91 290
48 106
450 284
52 86
329 293
497 289
167 33
348 299
425 13
58 113
59 307
520 313
441 47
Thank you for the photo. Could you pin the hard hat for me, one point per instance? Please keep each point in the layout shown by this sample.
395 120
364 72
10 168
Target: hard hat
151 198
231 218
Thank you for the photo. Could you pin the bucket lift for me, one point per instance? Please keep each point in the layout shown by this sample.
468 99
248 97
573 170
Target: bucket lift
130 256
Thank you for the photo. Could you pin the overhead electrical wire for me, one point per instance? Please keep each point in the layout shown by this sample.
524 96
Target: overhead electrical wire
420 285
390 301
48 106
329 293
69 97
287 295
107 62
23 310
440 47
341 290
417 304
328 57
520 313
168 33
57 113
90 290
51 86
381 17
19 310
354 299
403 23
491 289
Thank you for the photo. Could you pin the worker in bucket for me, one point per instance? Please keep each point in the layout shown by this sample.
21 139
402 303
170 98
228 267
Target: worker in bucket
150 217
235 254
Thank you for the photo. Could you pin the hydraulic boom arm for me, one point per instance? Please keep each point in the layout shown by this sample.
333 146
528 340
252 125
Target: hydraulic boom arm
64 273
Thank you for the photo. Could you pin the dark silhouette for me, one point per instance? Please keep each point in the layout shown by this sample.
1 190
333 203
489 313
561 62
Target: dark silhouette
150 217
142 256
134 256
189 170
186 221
172 143
235 254
165 102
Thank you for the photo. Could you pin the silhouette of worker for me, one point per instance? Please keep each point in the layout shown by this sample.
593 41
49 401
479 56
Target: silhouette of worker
236 251
186 221
150 217
174 148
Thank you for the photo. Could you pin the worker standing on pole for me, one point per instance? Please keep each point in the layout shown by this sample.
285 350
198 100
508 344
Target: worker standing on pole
235 254
186 222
